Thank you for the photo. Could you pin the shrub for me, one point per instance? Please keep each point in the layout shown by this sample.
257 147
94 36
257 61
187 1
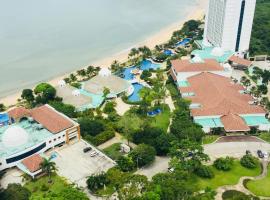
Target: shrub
224 164
15 191
146 74
249 161
236 195
68 110
90 126
44 187
125 164
96 182
143 155
103 137
76 85
109 107
204 172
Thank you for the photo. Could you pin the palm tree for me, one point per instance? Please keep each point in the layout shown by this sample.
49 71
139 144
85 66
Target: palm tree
81 72
106 92
72 77
90 70
48 167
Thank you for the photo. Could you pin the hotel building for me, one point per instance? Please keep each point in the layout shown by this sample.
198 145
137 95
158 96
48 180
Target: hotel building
29 133
229 24
215 100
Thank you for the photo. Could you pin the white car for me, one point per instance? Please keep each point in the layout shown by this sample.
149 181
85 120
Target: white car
93 154
265 155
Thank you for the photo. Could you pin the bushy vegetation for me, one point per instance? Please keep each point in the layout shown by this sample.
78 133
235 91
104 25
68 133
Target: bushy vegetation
237 195
224 164
15 191
143 155
204 172
249 161
260 41
68 110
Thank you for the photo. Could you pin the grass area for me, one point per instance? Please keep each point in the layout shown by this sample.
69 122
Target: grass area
265 136
113 151
260 187
208 139
228 178
58 189
162 120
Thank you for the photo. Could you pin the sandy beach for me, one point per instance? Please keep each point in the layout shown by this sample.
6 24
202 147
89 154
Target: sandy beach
159 38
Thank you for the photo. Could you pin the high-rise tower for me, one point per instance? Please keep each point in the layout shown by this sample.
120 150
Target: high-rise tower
228 24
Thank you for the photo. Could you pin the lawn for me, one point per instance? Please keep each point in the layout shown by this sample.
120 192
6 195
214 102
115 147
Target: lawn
260 187
208 139
58 189
162 120
265 136
228 178
113 151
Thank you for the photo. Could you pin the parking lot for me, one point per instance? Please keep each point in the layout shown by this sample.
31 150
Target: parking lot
75 165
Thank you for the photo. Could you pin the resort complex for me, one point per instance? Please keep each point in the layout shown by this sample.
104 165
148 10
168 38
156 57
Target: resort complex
185 119
31 132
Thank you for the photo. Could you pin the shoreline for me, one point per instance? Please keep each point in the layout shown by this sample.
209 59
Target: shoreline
162 36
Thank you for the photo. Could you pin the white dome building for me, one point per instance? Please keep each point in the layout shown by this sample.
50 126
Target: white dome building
105 72
15 136
76 93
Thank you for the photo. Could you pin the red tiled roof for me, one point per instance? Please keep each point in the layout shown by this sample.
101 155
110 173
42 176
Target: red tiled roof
33 162
188 66
240 61
50 119
17 113
218 95
233 123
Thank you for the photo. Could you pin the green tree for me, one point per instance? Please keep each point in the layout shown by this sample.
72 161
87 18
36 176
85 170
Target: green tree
109 107
48 167
15 192
66 109
187 155
262 89
2 107
90 70
106 92
27 94
224 164
72 77
95 182
143 155
125 164
45 93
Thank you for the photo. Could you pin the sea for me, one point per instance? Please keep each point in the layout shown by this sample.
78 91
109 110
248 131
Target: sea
43 39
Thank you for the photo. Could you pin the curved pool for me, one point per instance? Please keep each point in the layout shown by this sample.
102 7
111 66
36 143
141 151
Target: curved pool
135 97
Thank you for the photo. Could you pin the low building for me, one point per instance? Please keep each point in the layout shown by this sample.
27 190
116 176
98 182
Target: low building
181 70
239 63
218 102
32 132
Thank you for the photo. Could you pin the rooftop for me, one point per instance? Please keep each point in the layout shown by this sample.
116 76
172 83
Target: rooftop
240 61
33 163
189 66
97 84
218 95
68 93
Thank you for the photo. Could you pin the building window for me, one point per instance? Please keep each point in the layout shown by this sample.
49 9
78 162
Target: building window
242 11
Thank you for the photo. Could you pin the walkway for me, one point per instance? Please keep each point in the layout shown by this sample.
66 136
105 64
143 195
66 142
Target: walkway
240 185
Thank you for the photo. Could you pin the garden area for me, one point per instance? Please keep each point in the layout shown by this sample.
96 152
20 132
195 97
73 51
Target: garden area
260 187
230 177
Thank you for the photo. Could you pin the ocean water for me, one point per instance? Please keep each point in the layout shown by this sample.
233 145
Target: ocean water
42 39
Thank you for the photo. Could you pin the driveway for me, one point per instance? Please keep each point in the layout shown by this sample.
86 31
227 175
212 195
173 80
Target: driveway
234 149
160 165
76 166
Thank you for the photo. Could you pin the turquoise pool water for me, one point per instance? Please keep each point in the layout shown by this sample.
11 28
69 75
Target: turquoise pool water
35 136
96 100
209 122
183 42
135 97
255 120
182 83
145 65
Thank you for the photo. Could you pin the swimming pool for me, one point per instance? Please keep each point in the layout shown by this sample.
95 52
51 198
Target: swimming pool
168 52
147 65
127 75
135 97
183 42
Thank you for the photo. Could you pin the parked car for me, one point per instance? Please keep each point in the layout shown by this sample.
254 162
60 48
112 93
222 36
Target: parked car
248 152
265 154
85 150
260 154
93 154
170 169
